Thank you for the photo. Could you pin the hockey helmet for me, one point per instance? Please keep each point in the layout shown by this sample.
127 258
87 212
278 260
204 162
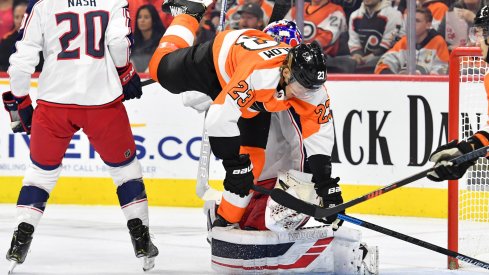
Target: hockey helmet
284 31
308 65
481 25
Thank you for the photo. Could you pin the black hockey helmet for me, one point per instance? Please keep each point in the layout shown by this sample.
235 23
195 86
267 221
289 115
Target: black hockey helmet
308 65
481 19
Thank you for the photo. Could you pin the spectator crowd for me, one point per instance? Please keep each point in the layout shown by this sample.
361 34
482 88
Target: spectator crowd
358 36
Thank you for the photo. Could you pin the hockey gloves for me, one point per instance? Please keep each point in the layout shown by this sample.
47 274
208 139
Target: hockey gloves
20 110
330 192
131 83
239 175
444 170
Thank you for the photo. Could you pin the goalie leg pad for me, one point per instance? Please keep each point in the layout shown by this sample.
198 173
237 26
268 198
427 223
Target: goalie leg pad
316 249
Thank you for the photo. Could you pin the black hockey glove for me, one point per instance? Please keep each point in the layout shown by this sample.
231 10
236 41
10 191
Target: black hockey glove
239 175
20 110
444 170
131 83
330 193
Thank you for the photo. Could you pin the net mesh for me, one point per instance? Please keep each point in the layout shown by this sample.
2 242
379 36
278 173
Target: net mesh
474 186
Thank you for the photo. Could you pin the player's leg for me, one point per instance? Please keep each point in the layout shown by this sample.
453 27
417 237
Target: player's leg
179 66
109 132
50 137
254 135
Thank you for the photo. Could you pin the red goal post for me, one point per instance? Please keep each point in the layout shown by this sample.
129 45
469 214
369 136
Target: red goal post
468 198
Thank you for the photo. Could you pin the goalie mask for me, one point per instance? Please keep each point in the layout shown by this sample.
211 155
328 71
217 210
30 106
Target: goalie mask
279 218
284 31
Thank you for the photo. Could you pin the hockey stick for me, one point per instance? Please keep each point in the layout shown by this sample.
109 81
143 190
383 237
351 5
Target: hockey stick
319 212
280 9
147 82
414 241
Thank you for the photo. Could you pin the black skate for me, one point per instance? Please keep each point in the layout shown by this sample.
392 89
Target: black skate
141 241
21 241
194 8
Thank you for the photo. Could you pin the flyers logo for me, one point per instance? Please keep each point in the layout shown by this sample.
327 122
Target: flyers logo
324 113
242 94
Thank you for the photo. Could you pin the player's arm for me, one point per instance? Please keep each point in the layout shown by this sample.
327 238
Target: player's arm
26 52
119 41
22 64
318 134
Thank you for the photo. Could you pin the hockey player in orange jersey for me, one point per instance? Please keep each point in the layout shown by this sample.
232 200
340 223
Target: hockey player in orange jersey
444 170
247 74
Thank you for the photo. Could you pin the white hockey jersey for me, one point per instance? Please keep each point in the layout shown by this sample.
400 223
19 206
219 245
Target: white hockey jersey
82 41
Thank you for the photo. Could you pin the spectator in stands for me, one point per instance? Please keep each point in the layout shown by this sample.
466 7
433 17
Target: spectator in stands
325 23
149 30
6 17
9 39
438 9
457 22
372 30
431 50
232 15
250 17
349 6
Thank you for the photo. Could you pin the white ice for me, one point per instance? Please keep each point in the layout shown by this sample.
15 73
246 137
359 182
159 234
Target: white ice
94 240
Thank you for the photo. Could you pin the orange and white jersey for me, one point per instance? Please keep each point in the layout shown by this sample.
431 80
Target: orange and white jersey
247 64
322 23
431 56
82 43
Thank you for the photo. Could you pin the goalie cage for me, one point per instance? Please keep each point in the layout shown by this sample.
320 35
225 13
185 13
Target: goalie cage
468 198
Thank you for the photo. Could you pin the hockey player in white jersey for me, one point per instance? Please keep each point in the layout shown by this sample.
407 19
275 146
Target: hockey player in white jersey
86 75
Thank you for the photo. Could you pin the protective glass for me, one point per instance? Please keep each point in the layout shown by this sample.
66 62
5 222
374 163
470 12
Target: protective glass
478 33
298 90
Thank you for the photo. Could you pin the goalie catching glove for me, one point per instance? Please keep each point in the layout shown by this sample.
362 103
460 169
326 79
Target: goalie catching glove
330 193
20 110
444 169
131 83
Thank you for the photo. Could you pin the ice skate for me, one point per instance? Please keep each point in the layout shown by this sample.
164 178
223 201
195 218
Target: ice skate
370 260
19 247
194 8
141 241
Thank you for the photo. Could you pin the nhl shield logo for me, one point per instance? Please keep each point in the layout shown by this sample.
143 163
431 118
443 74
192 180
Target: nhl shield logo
127 153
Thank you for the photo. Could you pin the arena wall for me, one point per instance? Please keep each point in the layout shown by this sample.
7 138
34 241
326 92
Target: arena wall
386 127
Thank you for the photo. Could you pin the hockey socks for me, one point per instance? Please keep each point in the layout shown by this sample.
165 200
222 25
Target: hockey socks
31 204
133 200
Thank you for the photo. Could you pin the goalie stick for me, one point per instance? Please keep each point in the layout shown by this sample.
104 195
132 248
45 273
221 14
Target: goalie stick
414 241
319 212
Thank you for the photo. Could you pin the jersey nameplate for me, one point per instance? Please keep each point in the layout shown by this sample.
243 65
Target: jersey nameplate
272 53
81 3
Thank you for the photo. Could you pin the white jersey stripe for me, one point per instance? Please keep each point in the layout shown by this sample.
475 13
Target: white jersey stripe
181 32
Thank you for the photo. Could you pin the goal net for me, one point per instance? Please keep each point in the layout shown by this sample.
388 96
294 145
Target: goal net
468 210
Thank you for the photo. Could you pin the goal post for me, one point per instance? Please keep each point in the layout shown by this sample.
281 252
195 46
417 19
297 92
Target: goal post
468 198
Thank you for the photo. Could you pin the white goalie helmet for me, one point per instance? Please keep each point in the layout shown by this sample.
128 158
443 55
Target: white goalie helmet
279 218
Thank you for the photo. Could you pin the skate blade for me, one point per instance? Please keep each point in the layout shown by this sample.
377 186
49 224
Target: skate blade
13 264
148 263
